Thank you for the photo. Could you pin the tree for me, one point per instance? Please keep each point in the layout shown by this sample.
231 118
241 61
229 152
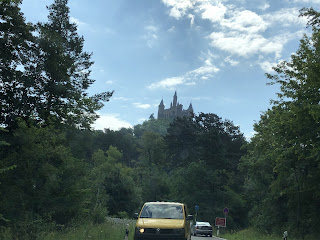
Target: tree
209 147
45 76
48 183
158 126
286 147
119 185
182 141
65 72
18 55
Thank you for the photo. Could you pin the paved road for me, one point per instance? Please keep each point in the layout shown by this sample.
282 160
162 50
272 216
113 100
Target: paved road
204 238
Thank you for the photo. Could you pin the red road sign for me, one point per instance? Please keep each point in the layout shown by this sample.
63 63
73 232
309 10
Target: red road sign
221 222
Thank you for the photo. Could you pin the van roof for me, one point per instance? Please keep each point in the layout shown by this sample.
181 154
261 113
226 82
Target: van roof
177 203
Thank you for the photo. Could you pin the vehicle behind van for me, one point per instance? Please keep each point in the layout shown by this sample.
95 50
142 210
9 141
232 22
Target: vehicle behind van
163 220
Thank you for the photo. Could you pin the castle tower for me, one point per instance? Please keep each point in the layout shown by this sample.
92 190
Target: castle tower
175 110
175 98
161 110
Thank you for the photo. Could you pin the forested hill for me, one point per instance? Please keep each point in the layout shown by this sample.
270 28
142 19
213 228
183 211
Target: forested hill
56 171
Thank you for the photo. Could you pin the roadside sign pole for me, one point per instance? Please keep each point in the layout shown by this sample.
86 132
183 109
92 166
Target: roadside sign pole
196 208
226 211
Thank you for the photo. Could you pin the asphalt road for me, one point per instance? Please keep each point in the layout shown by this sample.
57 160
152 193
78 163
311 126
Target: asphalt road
204 238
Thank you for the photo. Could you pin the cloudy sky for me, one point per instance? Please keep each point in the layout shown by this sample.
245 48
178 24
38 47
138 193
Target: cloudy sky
214 53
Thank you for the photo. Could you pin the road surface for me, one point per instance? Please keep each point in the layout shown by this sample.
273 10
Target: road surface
205 238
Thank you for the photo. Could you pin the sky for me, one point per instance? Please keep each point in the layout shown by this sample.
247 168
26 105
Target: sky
214 53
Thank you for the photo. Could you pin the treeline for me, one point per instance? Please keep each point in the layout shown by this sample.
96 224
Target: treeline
55 171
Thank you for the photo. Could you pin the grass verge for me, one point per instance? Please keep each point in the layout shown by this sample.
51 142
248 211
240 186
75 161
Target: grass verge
107 230
252 234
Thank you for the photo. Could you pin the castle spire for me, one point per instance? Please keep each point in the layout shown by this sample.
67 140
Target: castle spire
175 98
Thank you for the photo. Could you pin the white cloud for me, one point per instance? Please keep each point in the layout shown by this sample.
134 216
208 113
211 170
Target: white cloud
142 105
168 83
231 61
264 6
245 45
285 17
213 13
245 21
191 19
179 8
267 66
77 21
109 82
208 68
110 121
189 78
238 32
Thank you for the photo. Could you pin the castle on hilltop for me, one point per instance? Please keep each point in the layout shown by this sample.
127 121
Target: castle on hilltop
175 110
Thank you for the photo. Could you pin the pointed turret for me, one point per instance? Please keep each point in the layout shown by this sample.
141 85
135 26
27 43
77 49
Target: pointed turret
175 98
161 110
161 103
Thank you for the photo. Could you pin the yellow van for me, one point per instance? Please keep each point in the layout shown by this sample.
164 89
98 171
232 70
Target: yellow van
163 220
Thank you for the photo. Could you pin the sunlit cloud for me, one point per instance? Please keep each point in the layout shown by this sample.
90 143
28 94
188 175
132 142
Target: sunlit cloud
245 45
78 22
245 21
230 61
189 78
179 8
240 31
267 66
142 105
285 17
110 121
213 13
191 19
168 83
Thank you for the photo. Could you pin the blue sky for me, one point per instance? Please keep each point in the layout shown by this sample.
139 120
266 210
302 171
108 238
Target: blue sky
214 53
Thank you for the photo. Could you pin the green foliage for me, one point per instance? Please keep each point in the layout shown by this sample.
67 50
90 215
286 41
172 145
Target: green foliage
45 75
283 157
54 170
113 185
65 71
17 50
158 126
47 181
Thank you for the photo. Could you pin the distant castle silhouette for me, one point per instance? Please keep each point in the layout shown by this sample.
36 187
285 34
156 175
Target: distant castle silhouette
175 109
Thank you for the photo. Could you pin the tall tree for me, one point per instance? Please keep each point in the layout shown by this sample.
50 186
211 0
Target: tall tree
286 147
18 57
66 71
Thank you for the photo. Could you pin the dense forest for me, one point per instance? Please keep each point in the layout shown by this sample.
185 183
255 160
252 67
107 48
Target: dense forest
55 170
